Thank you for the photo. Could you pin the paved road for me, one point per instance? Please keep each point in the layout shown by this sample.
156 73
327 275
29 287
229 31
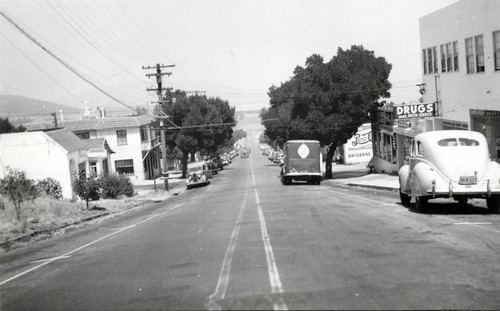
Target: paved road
247 242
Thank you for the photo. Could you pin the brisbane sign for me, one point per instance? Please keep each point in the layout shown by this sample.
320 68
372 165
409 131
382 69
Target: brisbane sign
414 111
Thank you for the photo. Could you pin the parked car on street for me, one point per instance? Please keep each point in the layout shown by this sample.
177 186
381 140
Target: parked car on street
198 174
453 164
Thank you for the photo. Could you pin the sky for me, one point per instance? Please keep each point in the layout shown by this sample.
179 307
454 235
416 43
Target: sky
232 49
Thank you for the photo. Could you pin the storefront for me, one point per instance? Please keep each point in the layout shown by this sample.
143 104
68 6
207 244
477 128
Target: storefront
487 122
384 141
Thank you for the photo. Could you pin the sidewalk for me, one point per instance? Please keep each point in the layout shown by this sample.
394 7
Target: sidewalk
357 175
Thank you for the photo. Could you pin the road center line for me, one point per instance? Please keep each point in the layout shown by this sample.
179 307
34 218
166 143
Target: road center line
220 289
272 268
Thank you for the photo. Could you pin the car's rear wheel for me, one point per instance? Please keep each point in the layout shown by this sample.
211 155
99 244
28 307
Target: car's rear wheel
421 204
463 200
405 199
493 203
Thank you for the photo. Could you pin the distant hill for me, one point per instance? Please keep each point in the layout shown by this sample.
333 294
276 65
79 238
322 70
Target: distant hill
18 106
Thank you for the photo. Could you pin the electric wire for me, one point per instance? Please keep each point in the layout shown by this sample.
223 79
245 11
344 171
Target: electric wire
86 36
62 62
39 68
83 66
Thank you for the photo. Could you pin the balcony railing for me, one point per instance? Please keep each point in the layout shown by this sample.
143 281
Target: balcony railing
149 144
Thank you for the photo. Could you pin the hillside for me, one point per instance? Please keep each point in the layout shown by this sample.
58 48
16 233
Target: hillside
18 106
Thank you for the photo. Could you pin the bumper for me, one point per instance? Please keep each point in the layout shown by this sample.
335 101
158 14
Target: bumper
481 189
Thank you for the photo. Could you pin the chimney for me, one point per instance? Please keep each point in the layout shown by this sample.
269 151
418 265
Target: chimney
103 113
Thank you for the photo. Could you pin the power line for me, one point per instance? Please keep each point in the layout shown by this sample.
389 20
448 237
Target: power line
36 65
62 62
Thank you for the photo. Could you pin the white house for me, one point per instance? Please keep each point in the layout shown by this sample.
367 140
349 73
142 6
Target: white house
134 144
57 154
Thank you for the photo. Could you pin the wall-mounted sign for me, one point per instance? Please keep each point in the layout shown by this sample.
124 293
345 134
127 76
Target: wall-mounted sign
414 111
484 113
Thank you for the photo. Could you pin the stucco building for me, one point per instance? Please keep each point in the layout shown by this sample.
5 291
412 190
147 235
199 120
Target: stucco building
132 140
57 154
460 61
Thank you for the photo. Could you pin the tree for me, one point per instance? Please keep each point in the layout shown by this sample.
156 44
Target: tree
85 187
7 127
18 188
141 111
328 101
197 124
239 134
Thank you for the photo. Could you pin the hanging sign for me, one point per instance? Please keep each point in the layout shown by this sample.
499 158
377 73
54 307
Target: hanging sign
414 111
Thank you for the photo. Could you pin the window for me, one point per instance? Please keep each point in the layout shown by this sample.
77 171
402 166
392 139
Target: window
447 142
455 55
124 167
121 136
430 65
424 59
93 167
496 49
443 58
434 56
448 57
429 59
83 135
420 148
479 53
468 142
469 50
144 134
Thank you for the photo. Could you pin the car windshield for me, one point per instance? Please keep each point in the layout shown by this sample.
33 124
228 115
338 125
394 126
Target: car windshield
450 142
195 169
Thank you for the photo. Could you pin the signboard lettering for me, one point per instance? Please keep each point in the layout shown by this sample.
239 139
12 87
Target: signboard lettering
414 111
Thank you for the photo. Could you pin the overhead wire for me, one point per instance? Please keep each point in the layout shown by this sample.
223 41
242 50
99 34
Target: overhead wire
86 36
39 68
84 66
62 62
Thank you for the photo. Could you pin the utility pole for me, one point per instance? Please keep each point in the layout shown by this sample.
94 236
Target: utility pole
55 119
161 101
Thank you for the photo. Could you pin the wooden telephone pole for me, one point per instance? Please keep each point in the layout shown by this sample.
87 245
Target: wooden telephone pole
161 117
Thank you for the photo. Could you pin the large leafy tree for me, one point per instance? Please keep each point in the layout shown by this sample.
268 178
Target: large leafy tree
328 101
198 123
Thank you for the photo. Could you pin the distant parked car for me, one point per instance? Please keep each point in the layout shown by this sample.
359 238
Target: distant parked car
450 164
213 166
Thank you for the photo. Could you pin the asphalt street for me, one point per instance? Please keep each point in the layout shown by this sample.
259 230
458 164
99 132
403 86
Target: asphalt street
248 242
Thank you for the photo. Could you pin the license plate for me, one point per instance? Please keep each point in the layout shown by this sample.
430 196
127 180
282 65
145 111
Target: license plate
468 180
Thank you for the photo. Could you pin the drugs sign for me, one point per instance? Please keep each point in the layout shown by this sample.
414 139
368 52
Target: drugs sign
414 111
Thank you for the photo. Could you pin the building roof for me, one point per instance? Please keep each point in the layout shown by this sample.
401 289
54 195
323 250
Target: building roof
97 143
95 124
67 140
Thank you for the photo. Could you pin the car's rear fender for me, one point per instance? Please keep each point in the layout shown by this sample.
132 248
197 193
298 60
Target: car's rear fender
404 178
424 178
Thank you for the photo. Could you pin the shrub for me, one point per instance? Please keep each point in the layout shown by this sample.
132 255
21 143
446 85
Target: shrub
18 188
50 187
87 188
114 186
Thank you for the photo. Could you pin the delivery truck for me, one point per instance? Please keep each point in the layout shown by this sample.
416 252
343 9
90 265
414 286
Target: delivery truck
301 162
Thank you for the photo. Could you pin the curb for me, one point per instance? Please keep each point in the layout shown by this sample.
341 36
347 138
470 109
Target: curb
384 188
365 186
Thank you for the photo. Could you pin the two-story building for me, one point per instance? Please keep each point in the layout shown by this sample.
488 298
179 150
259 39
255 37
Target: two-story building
460 59
134 144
